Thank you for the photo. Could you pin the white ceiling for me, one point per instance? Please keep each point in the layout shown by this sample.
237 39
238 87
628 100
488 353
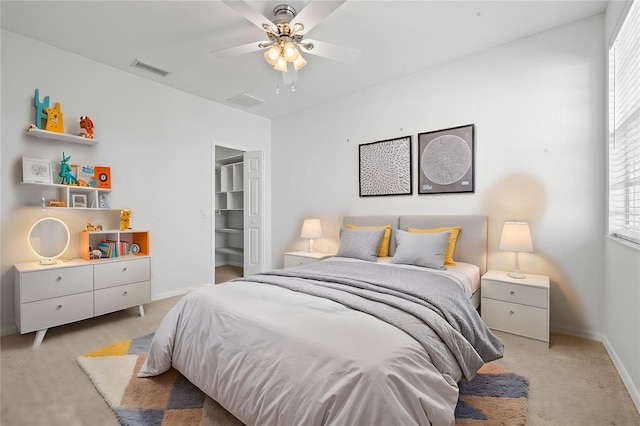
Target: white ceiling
396 38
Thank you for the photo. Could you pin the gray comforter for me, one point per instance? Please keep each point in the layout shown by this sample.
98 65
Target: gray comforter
405 298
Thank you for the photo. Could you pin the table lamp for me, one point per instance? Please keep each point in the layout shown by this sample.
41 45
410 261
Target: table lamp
311 229
517 238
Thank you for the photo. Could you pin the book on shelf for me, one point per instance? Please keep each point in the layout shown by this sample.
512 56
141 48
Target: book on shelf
110 248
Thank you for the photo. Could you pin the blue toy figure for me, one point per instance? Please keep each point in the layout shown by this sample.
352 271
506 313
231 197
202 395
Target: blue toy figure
40 106
65 172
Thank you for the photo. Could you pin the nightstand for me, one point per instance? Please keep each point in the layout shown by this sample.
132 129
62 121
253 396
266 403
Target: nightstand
295 258
518 306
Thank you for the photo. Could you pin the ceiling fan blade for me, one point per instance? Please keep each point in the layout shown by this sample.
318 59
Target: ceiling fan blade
314 12
250 14
238 50
332 51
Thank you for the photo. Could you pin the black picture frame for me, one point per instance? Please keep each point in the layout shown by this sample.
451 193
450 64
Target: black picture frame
386 167
446 160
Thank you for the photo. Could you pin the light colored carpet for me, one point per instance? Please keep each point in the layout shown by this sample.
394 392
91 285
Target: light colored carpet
494 396
571 383
226 273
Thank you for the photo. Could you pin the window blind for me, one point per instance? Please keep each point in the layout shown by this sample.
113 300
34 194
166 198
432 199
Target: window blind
624 129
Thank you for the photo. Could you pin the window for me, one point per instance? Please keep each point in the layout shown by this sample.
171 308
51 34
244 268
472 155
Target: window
624 129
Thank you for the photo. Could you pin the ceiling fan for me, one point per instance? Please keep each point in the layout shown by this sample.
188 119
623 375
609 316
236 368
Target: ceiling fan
286 32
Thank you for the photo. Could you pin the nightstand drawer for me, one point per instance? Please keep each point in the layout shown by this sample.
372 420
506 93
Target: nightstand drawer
522 294
40 285
290 260
514 318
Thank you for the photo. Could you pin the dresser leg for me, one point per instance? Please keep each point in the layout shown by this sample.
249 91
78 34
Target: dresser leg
39 338
141 310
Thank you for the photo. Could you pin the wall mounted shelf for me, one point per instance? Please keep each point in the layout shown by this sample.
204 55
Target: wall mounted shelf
66 191
64 137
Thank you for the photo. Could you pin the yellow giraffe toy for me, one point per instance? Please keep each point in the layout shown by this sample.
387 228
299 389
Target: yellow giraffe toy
54 119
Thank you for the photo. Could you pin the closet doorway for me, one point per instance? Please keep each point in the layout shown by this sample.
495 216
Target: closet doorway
238 213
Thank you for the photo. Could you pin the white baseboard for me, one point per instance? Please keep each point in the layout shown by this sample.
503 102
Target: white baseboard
577 332
177 292
12 329
634 393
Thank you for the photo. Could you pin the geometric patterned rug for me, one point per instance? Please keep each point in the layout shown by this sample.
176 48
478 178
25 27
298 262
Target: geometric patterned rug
494 397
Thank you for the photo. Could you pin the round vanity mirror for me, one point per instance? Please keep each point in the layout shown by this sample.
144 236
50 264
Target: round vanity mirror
49 238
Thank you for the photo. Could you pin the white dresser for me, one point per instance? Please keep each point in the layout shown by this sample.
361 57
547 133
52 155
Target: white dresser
518 306
296 258
51 295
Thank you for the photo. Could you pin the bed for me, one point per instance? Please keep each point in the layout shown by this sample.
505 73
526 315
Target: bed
343 341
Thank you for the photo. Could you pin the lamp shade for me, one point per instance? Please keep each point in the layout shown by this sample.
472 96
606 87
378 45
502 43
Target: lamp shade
311 229
516 237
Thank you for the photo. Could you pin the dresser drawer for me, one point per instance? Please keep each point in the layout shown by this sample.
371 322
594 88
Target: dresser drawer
514 318
121 297
522 294
40 285
52 312
122 272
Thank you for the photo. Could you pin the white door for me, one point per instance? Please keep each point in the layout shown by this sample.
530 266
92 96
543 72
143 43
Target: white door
253 213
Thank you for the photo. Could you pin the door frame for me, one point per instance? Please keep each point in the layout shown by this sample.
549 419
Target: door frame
265 231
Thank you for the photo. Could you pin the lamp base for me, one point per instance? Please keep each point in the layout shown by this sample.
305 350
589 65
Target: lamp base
517 275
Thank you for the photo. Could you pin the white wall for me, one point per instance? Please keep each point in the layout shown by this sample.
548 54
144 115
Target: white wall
621 335
158 142
538 107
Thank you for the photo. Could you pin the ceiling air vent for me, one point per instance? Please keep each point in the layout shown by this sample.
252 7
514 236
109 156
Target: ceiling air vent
245 101
149 68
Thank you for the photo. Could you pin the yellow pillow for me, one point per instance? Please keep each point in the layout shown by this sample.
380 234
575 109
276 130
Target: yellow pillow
455 230
383 250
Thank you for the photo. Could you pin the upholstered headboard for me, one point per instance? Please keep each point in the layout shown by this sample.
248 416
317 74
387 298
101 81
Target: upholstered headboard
471 246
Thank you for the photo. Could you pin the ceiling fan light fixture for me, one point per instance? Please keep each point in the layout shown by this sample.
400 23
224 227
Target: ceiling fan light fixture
290 52
281 64
299 62
272 55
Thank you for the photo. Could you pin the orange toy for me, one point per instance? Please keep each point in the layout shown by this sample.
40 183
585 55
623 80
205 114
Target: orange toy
54 119
87 125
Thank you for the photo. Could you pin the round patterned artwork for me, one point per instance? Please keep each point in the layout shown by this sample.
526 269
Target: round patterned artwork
446 159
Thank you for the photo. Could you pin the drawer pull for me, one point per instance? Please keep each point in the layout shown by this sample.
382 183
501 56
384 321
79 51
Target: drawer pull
58 279
511 312
58 307
125 293
512 292
124 269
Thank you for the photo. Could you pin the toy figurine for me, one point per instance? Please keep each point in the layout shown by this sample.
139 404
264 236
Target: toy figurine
125 219
65 172
57 203
54 119
40 106
90 226
95 254
87 125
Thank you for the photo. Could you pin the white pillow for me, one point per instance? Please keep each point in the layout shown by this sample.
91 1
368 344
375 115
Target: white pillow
421 249
360 243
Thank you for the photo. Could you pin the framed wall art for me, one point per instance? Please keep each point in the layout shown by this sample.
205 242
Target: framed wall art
385 167
35 170
446 160
79 200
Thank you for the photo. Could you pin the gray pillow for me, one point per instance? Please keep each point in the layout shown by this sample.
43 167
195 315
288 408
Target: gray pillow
360 243
421 249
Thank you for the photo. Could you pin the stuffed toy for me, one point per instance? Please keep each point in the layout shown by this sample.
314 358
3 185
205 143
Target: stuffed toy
125 219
